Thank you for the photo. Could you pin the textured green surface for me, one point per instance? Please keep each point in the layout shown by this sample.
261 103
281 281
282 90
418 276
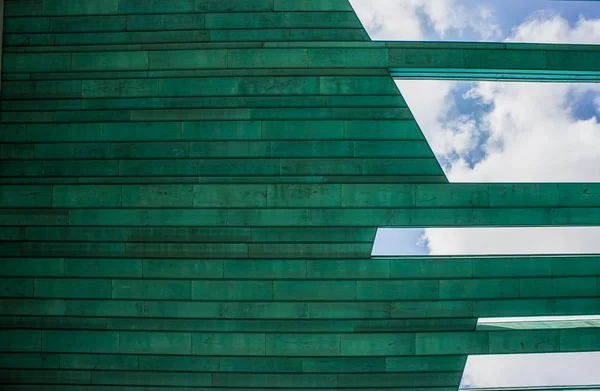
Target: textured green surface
191 190
494 61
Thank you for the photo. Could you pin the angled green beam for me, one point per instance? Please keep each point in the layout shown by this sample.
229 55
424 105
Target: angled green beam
409 60
348 205
494 61
241 323
302 217
314 196
150 310
312 291
400 364
418 268
306 345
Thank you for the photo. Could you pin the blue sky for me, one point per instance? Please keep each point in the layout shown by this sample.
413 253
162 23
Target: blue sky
458 20
511 13
406 241
500 132
582 104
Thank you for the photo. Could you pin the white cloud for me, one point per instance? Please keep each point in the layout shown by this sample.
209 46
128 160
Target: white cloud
385 19
431 103
534 136
553 28
424 19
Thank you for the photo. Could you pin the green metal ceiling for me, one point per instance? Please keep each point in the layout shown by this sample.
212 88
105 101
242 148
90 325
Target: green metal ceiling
191 190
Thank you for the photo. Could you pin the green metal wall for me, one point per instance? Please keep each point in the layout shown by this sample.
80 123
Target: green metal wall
191 190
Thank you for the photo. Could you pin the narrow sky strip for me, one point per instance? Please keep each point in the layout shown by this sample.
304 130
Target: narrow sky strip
538 371
486 241
539 319
539 323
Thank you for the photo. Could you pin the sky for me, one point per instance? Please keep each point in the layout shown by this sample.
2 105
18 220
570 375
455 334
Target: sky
474 241
541 369
498 132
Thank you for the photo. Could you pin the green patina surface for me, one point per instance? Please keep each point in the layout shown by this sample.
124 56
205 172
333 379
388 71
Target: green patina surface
191 190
